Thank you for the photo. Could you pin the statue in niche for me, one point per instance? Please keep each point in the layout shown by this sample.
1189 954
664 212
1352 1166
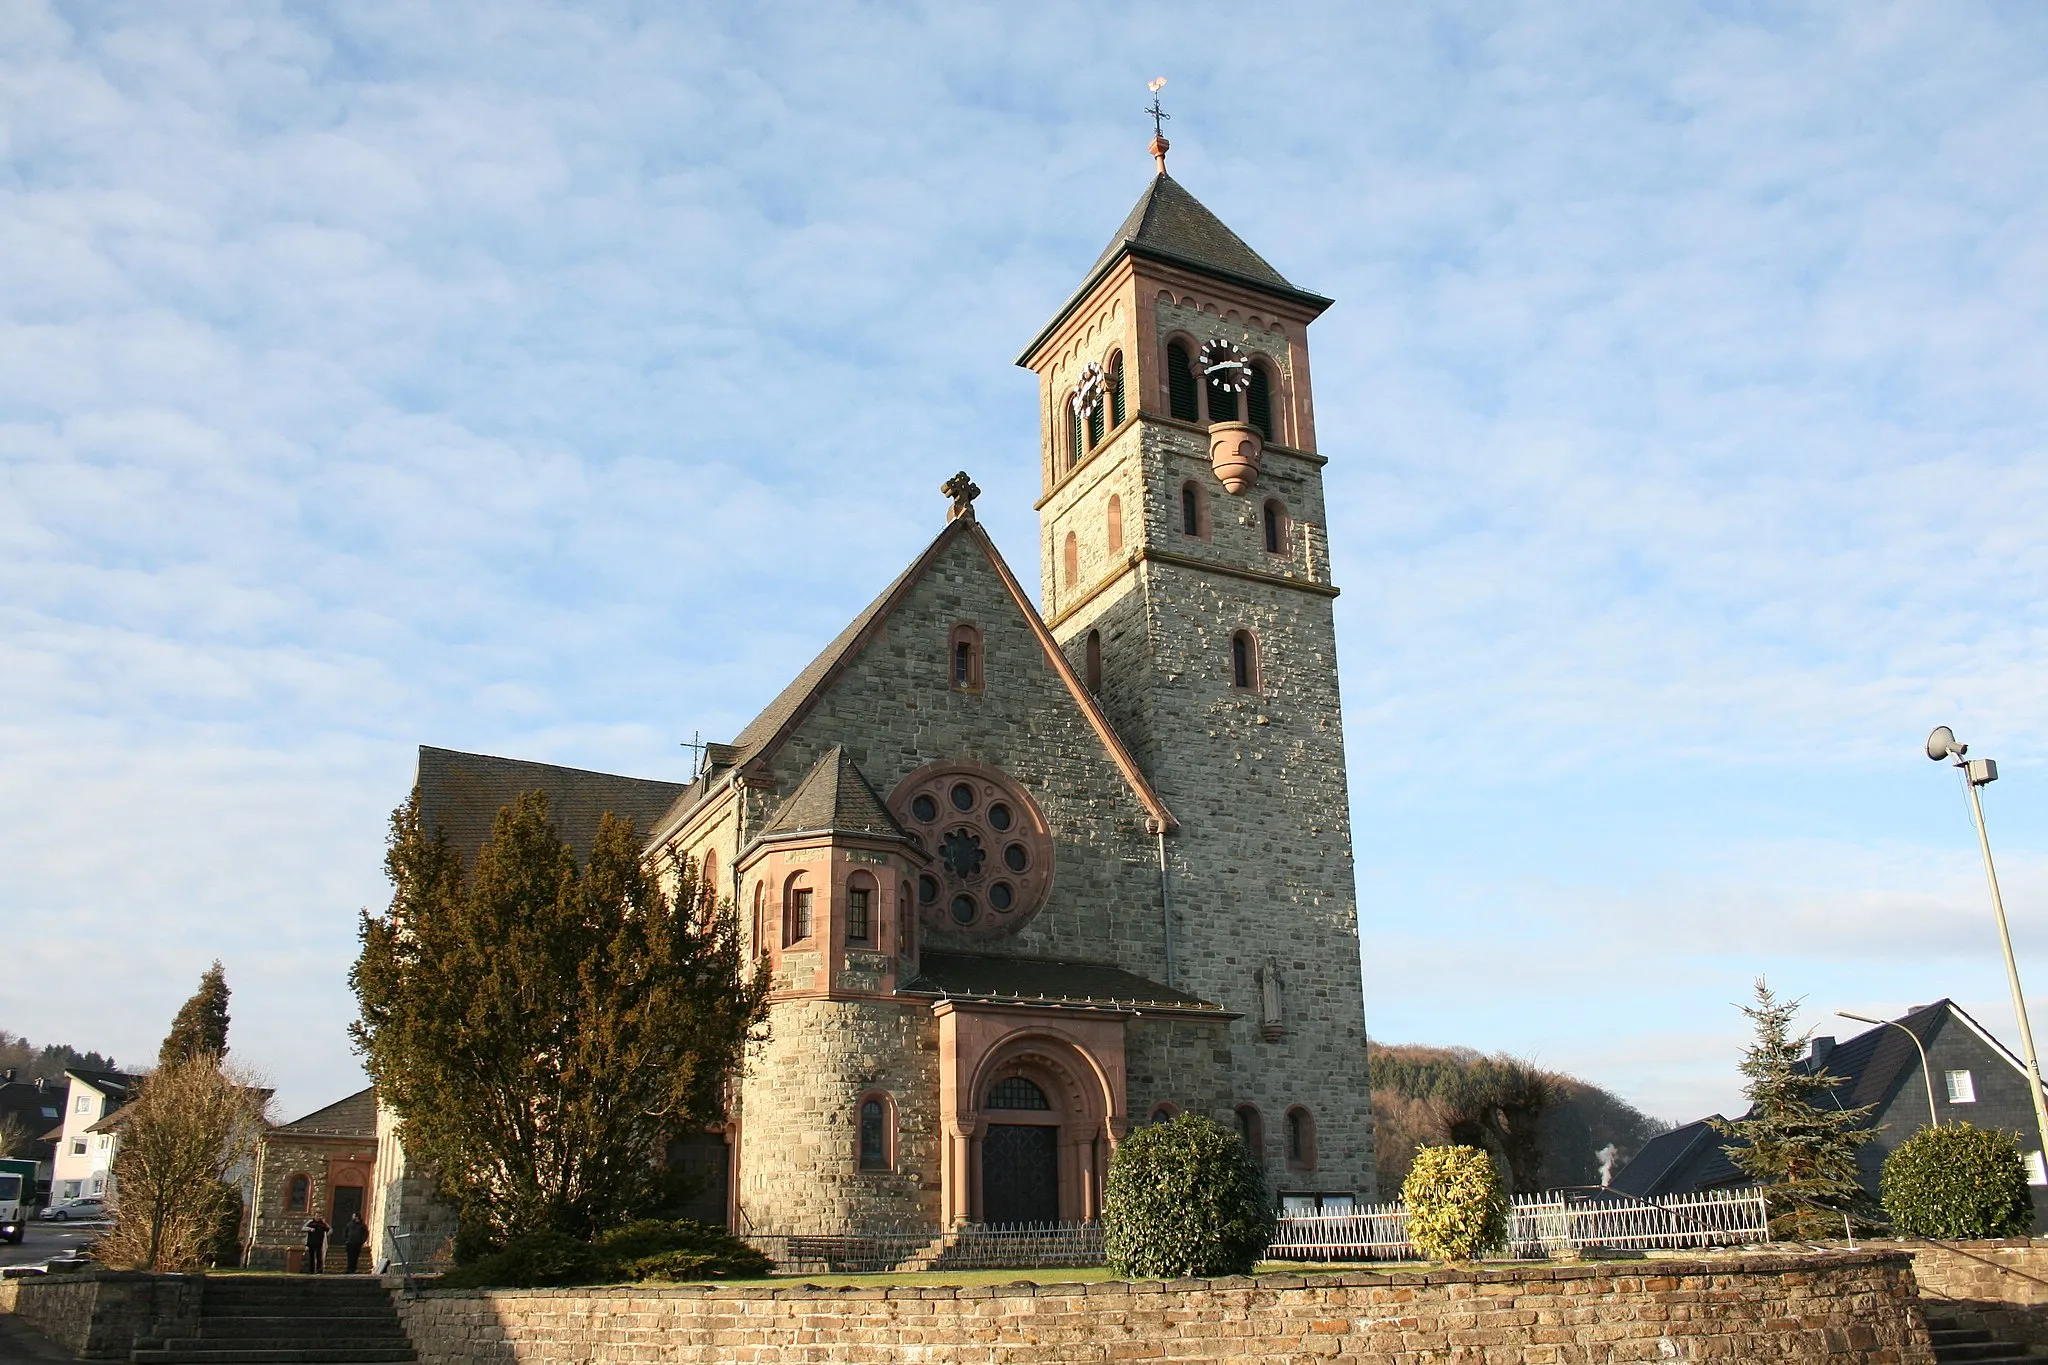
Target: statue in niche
1272 1027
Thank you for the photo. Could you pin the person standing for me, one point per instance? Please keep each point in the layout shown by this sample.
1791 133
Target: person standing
316 1243
353 1238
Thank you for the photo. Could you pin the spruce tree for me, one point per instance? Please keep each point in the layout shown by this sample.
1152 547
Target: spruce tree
1797 1140
201 1028
542 1029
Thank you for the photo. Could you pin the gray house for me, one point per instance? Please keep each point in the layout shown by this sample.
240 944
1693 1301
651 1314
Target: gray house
1976 1079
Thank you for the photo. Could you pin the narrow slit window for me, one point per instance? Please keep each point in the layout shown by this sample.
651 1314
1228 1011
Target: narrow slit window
1091 661
1190 510
874 1134
966 663
1180 384
1070 558
1301 1140
1274 521
1244 661
1114 523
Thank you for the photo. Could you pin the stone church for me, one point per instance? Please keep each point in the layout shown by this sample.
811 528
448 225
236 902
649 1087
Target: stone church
1029 878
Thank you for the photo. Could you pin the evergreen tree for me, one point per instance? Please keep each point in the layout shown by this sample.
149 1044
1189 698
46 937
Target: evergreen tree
1797 1140
543 1030
201 1028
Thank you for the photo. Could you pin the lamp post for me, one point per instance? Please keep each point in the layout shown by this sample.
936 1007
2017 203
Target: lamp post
1942 745
1933 1119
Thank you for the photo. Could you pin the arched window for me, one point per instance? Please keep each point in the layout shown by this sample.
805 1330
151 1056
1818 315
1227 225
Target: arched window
877 1133
1273 520
707 884
966 658
760 919
298 1194
1251 1130
1114 523
1164 1112
796 911
1075 449
1016 1092
1258 402
1301 1140
1091 661
1244 661
1194 510
1070 555
906 922
860 910
1180 384
1115 386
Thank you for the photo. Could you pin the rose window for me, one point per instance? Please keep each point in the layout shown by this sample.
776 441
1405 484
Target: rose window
992 853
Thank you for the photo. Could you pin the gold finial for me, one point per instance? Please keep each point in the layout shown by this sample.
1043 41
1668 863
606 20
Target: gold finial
963 491
1159 116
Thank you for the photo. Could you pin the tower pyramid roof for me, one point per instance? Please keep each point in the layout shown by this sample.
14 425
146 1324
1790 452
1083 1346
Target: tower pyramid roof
1167 221
834 798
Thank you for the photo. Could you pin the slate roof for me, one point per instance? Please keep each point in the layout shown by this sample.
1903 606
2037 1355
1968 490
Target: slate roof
1169 222
355 1116
461 794
1029 980
834 798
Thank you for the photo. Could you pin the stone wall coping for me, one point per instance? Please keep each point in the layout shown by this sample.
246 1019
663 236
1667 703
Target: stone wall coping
1746 1263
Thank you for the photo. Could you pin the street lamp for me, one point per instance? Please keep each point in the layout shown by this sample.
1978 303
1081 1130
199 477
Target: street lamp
1933 1119
1941 746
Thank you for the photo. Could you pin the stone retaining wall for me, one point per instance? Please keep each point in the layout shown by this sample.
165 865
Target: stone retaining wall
97 1315
2001 1286
1828 1309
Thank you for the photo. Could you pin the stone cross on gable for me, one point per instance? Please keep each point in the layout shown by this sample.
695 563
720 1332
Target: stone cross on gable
963 491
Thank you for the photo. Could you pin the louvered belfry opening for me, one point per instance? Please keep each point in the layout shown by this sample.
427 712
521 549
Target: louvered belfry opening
1258 402
1222 404
1180 384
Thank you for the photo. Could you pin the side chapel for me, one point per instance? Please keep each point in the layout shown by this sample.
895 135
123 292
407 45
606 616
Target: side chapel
1027 879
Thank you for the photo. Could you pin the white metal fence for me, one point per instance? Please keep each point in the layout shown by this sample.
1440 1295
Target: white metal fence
1543 1225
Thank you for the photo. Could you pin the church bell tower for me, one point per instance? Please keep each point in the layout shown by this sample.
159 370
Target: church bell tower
1186 573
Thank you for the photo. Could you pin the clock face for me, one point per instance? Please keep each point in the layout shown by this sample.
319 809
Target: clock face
1225 365
1087 396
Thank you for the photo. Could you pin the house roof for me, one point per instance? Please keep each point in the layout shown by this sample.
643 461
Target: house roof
764 734
834 798
1872 1065
1169 224
1040 981
461 794
109 1083
354 1116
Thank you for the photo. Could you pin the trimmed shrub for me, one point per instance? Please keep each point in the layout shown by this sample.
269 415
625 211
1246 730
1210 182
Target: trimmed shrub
1184 1197
1457 1205
646 1250
1958 1181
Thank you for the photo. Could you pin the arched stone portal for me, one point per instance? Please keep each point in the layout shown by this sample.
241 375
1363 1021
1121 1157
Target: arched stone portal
1034 1108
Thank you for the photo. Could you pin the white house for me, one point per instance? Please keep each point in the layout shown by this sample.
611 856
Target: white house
84 1163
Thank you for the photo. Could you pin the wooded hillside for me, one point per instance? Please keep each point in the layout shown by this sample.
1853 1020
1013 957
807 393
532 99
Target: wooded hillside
1546 1129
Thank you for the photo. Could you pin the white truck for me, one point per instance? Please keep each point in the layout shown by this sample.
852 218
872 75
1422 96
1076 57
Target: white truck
17 1184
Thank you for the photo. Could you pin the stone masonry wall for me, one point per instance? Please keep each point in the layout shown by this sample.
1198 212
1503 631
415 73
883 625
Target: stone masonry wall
99 1314
1844 1309
798 1162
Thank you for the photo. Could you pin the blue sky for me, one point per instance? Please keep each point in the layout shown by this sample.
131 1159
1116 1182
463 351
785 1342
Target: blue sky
553 380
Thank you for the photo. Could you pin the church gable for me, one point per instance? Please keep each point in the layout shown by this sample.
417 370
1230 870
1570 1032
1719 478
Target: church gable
900 697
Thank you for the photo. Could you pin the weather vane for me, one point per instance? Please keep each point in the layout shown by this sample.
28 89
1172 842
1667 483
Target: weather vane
1159 117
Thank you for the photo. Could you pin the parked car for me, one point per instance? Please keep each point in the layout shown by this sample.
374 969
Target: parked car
87 1209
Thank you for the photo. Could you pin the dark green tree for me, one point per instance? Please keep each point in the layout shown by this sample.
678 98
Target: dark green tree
201 1028
1958 1181
1184 1197
1797 1140
542 1029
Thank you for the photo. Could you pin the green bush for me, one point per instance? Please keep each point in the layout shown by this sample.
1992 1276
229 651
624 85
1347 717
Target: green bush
1958 1181
1184 1197
646 1250
1457 1205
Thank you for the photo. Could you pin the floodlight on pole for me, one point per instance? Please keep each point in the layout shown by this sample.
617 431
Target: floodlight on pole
1933 1119
1942 746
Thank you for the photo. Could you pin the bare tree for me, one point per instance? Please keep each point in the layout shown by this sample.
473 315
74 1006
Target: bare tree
189 1135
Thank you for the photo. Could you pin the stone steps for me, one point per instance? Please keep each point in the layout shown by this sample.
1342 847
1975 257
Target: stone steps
1956 1345
287 1320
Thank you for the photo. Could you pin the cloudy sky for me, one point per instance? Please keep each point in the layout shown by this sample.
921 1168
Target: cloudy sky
553 380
